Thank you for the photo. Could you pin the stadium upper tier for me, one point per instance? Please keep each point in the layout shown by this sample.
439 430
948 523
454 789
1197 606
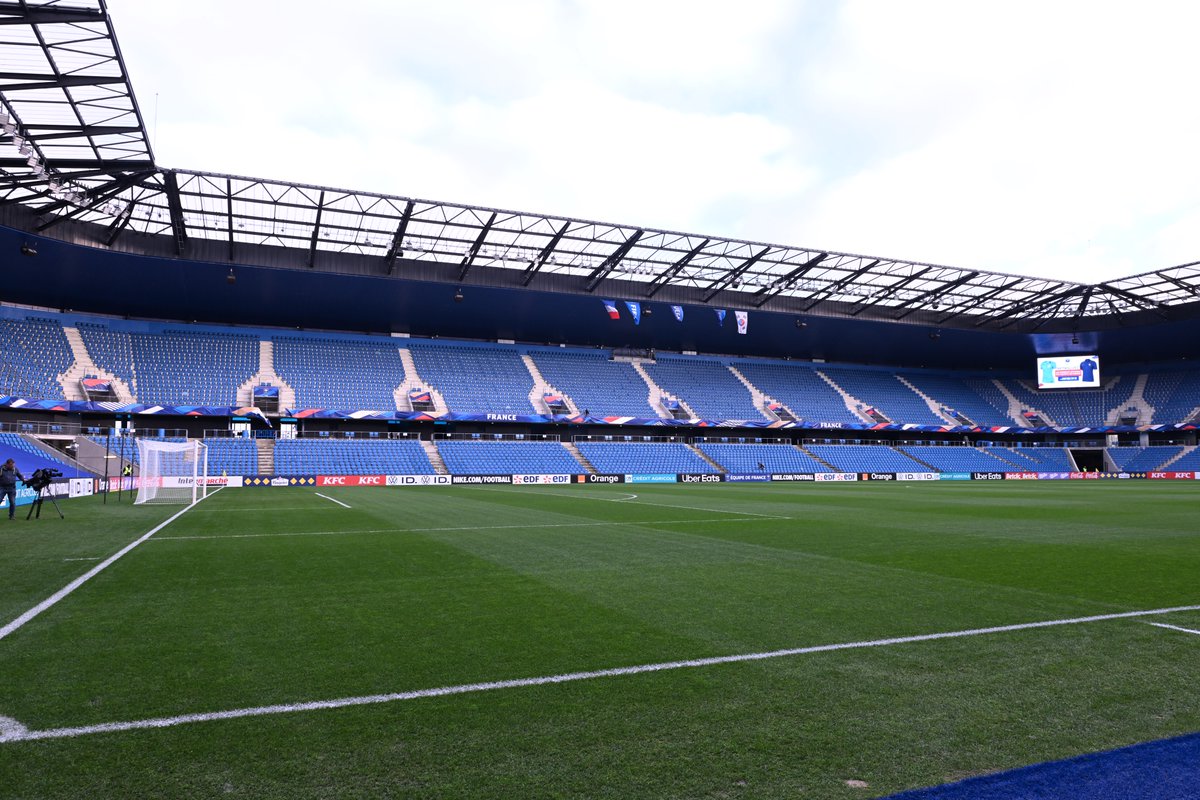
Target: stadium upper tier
166 364
475 380
339 373
35 352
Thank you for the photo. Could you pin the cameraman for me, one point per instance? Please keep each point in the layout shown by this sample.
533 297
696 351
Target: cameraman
9 474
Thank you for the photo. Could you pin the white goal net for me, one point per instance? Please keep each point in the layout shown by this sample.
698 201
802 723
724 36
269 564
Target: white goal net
172 472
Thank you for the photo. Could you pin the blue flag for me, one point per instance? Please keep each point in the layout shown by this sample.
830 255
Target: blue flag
720 316
678 312
636 310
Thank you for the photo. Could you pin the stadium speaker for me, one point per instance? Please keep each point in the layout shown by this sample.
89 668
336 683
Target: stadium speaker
28 250
935 335
231 278
801 324
458 295
1074 338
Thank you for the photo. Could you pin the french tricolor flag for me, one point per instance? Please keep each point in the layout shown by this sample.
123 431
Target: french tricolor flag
611 307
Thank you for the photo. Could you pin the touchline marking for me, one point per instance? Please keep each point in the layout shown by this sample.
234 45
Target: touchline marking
330 499
50 601
84 558
15 732
604 523
630 497
1174 628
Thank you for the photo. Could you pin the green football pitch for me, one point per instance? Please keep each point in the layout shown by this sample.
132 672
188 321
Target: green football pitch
628 641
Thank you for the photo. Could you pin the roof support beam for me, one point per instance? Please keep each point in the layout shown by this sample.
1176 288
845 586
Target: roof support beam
914 304
733 277
1021 307
21 14
473 251
75 131
977 302
229 215
767 292
830 291
96 196
666 277
316 232
119 225
1140 302
536 265
175 208
110 166
889 291
615 257
397 247
39 81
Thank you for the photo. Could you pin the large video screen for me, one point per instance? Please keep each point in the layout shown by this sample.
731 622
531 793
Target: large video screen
1068 372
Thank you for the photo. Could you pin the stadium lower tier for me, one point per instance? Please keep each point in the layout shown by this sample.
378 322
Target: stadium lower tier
380 456
383 456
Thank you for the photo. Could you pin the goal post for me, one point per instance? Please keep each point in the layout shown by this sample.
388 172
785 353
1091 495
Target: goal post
171 472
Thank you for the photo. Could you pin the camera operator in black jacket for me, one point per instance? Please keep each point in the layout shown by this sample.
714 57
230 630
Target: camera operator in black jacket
9 474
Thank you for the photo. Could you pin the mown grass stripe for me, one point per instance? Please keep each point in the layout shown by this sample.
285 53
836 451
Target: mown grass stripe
15 732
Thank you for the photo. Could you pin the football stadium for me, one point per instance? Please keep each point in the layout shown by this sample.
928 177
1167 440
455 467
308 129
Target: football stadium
331 493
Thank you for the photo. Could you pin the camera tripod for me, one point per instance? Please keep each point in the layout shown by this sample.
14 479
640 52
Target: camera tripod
37 504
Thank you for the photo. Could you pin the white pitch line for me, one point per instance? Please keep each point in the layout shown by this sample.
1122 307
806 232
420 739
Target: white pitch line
330 499
629 498
1174 628
604 523
53 599
15 732
85 558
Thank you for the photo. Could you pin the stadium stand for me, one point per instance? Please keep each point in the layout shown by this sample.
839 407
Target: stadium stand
340 373
507 457
29 457
1174 395
111 350
351 456
707 386
127 445
1038 459
643 457
475 379
864 458
596 383
977 399
36 352
231 456
800 388
1189 462
773 457
193 368
1142 459
956 459
1073 407
883 391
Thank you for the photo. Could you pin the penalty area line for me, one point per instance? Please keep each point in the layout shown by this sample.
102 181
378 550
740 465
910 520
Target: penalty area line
15 732
1174 628
330 499
53 599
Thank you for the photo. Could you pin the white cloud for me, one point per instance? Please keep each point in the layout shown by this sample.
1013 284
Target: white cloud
1042 139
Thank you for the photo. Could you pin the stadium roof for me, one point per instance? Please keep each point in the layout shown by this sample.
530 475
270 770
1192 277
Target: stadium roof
74 150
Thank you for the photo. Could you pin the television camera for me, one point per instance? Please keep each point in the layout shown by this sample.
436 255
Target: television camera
42 478
39 481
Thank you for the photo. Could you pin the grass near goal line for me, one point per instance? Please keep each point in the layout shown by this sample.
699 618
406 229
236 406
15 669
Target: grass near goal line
276 597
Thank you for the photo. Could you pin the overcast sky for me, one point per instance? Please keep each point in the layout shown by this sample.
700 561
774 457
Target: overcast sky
1053 139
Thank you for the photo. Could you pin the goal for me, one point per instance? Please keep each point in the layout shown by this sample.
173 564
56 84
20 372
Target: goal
172 472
